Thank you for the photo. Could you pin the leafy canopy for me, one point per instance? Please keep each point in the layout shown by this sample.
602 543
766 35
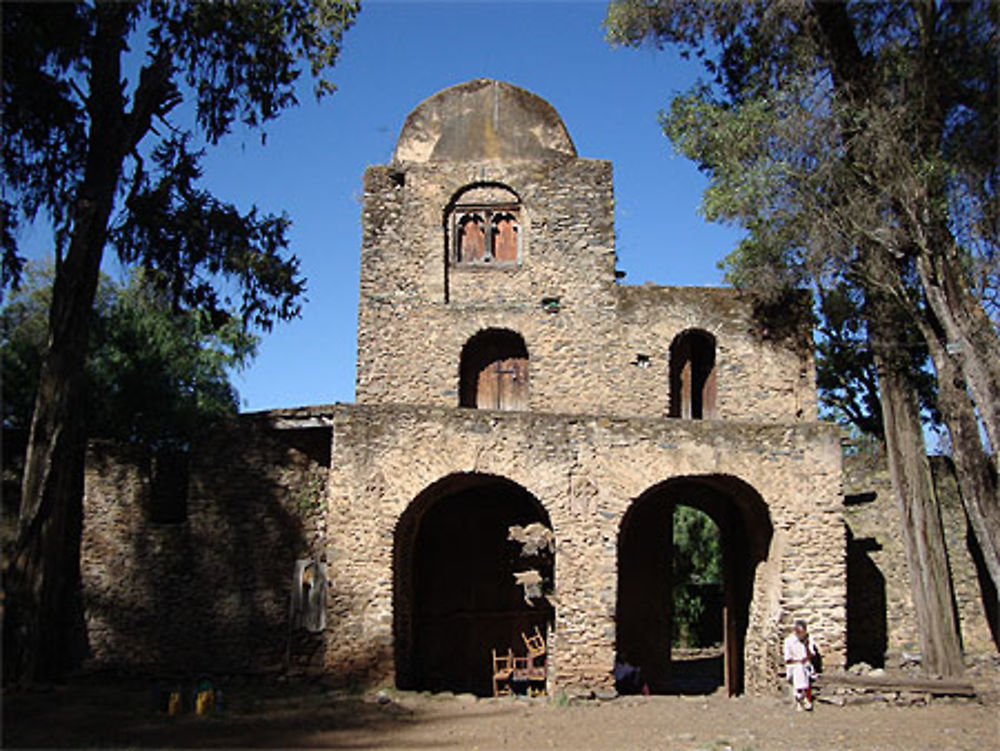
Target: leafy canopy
819 174
696 574
91 87
154 376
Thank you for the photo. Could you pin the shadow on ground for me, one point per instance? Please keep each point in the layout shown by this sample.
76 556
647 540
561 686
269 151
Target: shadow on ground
101 712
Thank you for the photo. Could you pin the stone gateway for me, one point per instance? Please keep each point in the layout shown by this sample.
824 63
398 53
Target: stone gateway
505 377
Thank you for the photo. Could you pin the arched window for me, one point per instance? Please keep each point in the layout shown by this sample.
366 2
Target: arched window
505 237
484 227
494 371
692 375
471 238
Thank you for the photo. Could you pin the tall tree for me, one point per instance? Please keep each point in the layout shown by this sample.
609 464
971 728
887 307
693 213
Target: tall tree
857 144
102 158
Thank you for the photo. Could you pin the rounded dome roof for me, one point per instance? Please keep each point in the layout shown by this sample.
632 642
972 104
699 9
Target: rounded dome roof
483 119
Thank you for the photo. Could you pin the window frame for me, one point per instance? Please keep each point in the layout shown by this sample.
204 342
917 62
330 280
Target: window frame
489 213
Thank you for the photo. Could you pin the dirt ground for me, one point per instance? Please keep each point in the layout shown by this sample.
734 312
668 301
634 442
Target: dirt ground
122 713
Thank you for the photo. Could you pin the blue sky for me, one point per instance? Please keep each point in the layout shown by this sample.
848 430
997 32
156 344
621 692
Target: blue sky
398 54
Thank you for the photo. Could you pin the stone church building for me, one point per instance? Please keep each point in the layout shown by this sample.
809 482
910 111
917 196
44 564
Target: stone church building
505 376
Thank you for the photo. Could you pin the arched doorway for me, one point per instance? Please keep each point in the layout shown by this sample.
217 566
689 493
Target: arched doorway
692 375
645 602
494 371
454 594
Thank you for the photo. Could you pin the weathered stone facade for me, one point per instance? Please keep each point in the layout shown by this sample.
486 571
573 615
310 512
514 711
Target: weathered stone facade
485 225
210 593
881 624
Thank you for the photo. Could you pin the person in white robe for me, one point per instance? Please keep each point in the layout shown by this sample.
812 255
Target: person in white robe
800 653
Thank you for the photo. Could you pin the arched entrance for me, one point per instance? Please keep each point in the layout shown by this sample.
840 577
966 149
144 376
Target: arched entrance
454 594
645 603
493 373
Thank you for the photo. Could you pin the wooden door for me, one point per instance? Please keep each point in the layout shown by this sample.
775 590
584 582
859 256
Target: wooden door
686 395
503 384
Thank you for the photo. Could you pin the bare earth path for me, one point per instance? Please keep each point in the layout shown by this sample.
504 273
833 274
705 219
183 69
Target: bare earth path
120 715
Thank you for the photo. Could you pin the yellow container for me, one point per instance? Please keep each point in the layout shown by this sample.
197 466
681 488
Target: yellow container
174 703
204 702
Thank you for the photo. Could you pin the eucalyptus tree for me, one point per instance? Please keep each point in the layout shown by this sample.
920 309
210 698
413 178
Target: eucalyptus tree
857 144
94 144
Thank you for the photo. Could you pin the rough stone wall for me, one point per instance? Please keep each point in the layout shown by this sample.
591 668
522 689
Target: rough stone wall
585 471
417 312
210 593
214 589
883 607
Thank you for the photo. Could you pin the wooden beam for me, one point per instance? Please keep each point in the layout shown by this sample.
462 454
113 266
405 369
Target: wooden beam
935 686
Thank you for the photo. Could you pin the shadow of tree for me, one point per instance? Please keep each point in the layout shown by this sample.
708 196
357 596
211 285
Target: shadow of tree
208 595
104 711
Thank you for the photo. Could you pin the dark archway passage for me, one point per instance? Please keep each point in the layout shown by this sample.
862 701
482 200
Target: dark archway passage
455 598
644 611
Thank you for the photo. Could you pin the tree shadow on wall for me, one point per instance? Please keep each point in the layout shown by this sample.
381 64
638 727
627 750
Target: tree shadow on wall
991 601
867 630
210 595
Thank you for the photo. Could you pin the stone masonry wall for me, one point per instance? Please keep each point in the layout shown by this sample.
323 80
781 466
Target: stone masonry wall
881 618
416 312
385 456
209 593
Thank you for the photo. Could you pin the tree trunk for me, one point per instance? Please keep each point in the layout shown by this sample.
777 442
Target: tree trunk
976 470
909 468
969 338
44 616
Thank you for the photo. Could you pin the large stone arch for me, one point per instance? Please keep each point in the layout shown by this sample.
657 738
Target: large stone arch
454 596
643 604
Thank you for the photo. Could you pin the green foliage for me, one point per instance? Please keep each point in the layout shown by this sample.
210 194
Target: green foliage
75 125
93 143
697 571
154 375
845 369
824 152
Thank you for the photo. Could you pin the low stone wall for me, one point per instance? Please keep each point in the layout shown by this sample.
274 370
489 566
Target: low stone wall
881 622
209 593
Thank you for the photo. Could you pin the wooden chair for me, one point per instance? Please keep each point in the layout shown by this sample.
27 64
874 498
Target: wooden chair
535 644
503 673
535 668
528 671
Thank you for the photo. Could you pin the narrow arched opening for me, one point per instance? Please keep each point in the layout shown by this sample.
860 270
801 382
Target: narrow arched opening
493 373
649 579
693 375
455 594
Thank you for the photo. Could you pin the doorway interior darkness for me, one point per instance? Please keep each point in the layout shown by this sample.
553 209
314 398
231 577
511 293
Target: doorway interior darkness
644 611
455 598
